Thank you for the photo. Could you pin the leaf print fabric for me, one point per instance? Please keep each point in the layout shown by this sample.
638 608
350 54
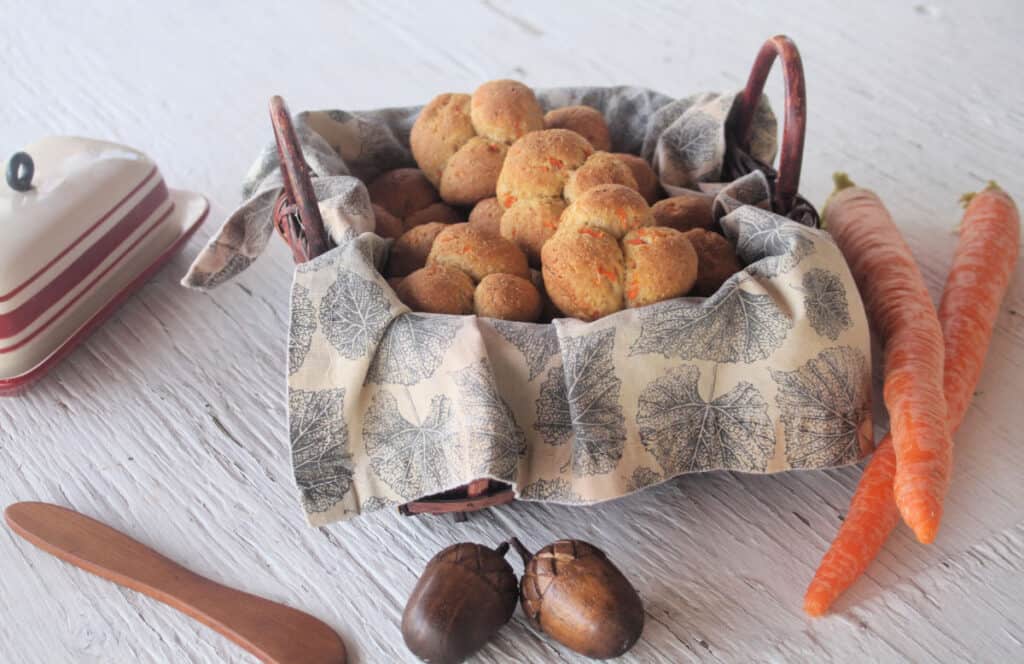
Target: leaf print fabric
413 348
303 325
354 314
685 432
538 343
733 325
388 406
825 302
319 435
825 407
413 459
642 478
586 405
557 490
770 245
495 441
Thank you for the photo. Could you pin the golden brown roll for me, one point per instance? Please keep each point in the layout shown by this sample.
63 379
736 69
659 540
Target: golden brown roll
460 140
470 175
433 212
685 212
505 110
387 224
402 191
539 164
660 264
530 222
646 179
407 195
613 208
477 254
585 121
437 289
486 216
583 272
507 297
600 169
410 251
716 260
442 127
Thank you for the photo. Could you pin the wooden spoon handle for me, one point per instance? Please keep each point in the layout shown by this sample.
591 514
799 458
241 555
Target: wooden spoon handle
271 631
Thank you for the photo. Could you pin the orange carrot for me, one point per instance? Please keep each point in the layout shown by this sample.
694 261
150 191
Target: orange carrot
870 519
982 266
896 299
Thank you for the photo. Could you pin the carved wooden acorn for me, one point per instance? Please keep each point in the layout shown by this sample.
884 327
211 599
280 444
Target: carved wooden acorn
574 594
465 594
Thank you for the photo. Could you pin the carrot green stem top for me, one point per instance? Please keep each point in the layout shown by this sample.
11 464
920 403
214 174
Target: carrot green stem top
965 200
842 181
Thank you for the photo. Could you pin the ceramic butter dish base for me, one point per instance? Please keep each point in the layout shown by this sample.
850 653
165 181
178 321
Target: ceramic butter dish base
96 223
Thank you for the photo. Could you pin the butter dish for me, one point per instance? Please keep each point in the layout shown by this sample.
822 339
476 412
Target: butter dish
84 223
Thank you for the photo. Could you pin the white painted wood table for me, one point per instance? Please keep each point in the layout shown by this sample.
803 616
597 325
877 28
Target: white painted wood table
169 423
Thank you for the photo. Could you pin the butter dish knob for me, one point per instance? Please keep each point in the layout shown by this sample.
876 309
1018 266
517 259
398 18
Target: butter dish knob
20 170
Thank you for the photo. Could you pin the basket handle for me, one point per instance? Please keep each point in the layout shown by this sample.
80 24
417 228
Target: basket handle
307 238
795 123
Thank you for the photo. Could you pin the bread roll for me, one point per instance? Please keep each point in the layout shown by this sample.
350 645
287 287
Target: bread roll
583 272
471 173
539 164
402 191
477 254
410 251
530 222
437 289
612 208
660 264
507 297
685 212
460 140
601 168
585 121
716 260
433 212
486 216
442 127
646 179
386 224
505 110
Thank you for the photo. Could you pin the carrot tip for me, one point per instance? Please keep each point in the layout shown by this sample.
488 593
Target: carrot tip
815 606
926 532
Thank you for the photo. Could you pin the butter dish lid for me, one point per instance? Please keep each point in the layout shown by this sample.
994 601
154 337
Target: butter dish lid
84 223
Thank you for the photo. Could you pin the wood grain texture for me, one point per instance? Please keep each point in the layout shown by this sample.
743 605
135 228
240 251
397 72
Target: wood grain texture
169 423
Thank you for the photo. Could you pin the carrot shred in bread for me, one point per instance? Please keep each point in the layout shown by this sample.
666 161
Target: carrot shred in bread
510 200
590 231
557 163
607 274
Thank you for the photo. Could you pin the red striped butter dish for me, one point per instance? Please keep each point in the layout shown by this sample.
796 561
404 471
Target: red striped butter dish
87 224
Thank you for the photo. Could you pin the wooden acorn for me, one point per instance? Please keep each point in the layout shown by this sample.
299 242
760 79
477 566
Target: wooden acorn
465 594
574 594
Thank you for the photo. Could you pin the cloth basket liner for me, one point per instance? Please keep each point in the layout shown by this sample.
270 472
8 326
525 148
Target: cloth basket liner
385 405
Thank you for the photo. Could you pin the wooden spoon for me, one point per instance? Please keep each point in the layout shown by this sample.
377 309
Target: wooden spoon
273 632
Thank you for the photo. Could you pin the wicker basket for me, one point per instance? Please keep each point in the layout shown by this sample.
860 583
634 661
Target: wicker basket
297 215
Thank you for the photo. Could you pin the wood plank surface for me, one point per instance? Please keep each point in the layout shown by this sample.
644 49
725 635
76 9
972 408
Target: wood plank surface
169 422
